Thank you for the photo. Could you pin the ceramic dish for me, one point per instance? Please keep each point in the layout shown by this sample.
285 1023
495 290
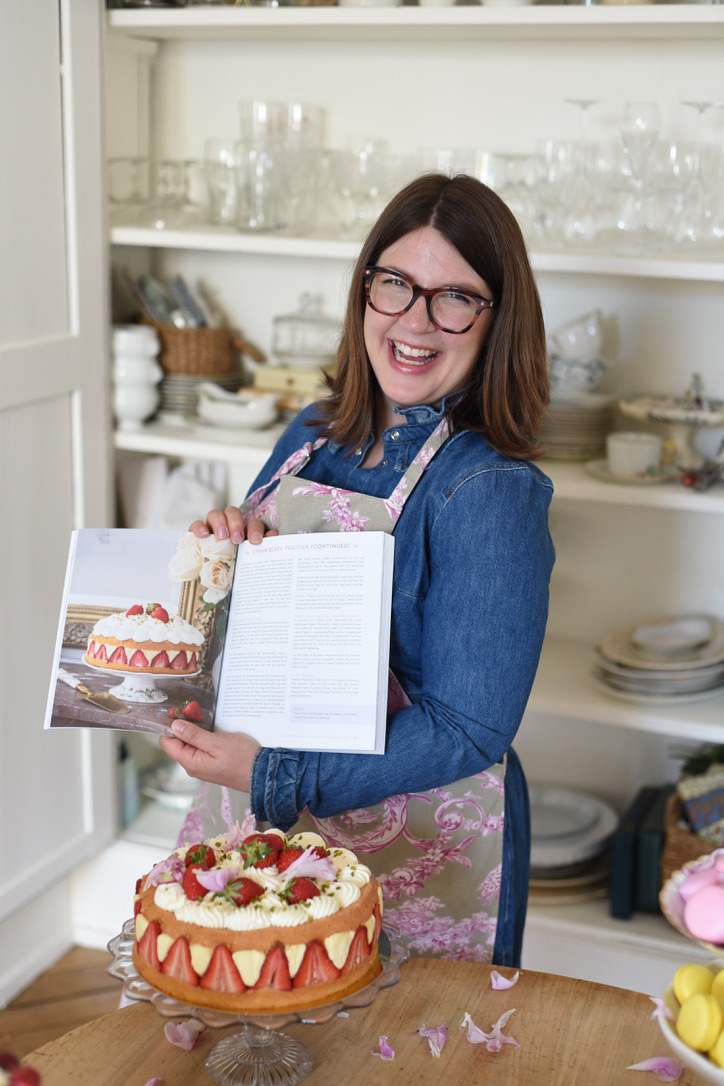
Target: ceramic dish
672 903
246 409
655 699
599 470
568 827
696 1061
619 647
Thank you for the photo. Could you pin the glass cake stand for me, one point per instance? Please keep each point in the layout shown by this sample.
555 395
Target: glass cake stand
137 686
258 1055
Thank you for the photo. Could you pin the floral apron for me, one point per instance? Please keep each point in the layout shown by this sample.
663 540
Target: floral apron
437 854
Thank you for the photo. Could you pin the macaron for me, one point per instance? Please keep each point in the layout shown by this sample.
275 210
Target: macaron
707 877
704 914
690 979
700 1021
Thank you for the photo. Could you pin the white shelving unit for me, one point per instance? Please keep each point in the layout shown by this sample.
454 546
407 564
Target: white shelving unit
493 77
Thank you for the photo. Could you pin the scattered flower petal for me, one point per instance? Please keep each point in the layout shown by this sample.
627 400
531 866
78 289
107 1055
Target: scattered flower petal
660 1009
499 983
193 825
667 1069
227 815
436 1038
217 878
385 1052
155 1082
310 866
342 1014
184 1034
168 870
495 1039
248 826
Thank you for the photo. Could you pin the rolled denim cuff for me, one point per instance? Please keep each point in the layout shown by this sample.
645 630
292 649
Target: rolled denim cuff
273 791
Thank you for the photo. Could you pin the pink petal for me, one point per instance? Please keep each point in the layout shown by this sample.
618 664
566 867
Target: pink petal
248 826
499 983
155 1082
227 815
311 866
193 825
667 1069
169 870
217 878
660 1009
495 1039
184 1034
436 1038
385 1052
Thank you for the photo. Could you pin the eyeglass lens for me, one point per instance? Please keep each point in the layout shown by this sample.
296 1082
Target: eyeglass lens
450 311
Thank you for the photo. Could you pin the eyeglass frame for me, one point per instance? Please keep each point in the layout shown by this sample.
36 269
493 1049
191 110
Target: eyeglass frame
428 293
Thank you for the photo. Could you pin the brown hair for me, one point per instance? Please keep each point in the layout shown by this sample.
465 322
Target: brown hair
507 395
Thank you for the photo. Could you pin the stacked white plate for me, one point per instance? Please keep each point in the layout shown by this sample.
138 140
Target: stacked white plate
576 426
570 833
665 660
179 392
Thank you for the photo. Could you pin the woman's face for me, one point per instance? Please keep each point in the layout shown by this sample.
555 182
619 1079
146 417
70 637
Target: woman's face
414 361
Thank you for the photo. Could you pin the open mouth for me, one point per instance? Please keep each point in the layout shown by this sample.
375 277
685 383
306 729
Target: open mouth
412 356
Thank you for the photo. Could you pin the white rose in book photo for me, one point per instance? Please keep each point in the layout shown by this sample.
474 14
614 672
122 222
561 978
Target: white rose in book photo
187 561
217 550
216 579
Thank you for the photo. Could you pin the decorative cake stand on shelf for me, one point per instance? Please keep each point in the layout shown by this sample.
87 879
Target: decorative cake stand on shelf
684 415
258 1055
139 687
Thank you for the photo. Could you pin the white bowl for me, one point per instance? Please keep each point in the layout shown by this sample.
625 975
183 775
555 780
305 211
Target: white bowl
246 409
696 1061
579 340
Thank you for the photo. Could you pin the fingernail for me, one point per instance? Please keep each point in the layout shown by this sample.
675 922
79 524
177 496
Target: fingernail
236 537
178 728
255 536
222 533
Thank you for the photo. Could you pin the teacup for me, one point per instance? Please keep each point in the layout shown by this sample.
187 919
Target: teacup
579 340
635 453
570 378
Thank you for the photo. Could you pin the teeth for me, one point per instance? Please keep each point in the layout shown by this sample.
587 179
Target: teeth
417 355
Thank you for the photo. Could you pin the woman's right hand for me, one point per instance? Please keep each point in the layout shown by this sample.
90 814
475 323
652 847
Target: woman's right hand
229 524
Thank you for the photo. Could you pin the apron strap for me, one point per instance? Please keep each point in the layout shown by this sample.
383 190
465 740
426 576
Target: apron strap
291 466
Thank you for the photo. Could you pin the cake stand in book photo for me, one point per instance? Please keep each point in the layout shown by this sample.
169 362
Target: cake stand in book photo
259 1055
138 686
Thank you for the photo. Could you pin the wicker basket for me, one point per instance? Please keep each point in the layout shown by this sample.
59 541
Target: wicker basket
196 351
681 846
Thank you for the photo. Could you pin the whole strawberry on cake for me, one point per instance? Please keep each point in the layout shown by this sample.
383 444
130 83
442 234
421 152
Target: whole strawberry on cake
145 639
264 923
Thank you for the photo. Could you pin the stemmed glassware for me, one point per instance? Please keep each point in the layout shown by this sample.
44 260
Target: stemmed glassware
580 220
639 132
692 221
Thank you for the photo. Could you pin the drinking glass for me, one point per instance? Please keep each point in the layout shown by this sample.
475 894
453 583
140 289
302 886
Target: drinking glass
639 132
259 187
692 224
221 181
128 189
362 172
580 220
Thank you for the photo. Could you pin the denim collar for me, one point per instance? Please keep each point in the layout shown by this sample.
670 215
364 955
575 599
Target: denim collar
419 415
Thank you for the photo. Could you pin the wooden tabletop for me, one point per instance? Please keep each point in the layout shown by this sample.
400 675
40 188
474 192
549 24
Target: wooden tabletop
570 1032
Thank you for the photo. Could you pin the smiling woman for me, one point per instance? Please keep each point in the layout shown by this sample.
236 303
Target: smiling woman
428 433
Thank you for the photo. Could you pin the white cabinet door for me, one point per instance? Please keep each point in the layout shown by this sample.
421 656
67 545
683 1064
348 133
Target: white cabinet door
56 798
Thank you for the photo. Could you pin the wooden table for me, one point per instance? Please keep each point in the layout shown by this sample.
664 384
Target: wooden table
571 1032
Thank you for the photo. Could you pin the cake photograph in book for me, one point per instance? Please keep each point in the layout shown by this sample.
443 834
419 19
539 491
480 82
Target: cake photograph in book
141 624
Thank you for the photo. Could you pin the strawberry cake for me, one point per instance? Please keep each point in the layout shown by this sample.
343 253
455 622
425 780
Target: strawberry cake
145 639
263 924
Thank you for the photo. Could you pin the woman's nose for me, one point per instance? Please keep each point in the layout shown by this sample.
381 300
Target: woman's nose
418 317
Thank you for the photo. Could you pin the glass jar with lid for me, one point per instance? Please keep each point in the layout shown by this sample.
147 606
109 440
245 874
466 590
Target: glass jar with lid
308 338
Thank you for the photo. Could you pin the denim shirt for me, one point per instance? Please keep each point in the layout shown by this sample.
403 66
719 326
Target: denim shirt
473 559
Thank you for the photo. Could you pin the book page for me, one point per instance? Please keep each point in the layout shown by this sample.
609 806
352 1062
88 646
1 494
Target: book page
306 654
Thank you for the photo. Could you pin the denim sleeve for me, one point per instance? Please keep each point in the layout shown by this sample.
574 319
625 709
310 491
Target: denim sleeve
483 600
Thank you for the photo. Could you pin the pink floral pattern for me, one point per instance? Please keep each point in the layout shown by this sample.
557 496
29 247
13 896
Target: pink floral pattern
438 858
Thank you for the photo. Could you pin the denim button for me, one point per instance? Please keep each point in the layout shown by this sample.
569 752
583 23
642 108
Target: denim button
384 463
358 452
395 435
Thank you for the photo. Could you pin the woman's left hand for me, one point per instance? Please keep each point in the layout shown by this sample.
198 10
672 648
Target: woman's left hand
217 757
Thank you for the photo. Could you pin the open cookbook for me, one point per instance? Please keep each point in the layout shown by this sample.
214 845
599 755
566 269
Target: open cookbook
287 640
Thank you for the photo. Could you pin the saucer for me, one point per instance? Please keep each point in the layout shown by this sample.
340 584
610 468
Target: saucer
599 469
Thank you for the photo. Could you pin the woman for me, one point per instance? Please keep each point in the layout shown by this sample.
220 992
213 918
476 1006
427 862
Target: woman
428 432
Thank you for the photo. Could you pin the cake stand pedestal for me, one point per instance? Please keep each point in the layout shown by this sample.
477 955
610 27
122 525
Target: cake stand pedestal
258 1055
139 687
684 415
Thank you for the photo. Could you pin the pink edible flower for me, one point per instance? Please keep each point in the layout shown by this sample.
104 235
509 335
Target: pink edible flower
436 1038
168 870
217 878
494 1040
235 836
660 1009
193 825
499 983
248 826
667 1069
385 1052
312 867
227 815
184 1034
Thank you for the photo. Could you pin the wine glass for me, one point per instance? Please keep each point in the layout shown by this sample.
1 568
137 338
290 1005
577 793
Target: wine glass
639 132
580 221
692 222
